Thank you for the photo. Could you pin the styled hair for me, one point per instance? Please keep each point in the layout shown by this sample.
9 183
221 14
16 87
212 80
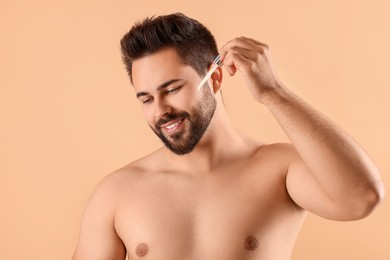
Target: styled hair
193 42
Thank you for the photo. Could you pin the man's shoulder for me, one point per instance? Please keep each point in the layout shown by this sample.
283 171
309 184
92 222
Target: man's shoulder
276 149
113 185
133 170
125 173
275 155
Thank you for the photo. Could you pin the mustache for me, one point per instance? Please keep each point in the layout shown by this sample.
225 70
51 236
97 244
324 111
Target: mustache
170 117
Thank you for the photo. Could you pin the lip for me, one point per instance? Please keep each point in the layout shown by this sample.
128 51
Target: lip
173 129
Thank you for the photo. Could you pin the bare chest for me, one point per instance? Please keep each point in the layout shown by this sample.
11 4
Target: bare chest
230 217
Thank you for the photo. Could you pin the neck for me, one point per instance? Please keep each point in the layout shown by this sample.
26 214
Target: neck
220 143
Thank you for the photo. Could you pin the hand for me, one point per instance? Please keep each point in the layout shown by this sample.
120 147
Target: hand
253 60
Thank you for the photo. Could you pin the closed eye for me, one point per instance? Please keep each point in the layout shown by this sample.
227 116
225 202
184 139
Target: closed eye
146 100
173 90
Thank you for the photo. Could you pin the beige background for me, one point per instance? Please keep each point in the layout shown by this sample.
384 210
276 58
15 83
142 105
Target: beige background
68 115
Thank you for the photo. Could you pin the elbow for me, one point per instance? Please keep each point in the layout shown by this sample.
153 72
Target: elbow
375 196
365 204
367 198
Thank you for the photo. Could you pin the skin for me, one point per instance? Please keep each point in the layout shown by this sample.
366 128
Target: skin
232 197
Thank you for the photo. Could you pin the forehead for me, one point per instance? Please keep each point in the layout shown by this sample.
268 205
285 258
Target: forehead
159 67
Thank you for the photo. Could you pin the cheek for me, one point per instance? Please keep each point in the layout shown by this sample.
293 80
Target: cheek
186 99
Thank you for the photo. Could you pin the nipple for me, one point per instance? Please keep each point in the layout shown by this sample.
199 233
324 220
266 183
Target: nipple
141 250
251 243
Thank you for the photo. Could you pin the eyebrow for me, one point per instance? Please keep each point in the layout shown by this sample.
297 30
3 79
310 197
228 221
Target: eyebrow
162 86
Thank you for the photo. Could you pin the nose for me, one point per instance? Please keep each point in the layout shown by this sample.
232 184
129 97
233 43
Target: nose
161 109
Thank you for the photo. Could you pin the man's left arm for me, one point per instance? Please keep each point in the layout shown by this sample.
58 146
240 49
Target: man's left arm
330 174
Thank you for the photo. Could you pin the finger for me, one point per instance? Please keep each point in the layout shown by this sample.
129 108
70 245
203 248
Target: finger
246 53
236 61
255 42
243 43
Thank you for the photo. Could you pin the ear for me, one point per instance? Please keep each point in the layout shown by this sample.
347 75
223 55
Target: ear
216 79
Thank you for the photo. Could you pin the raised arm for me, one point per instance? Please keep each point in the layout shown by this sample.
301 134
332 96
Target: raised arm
329 174
98 238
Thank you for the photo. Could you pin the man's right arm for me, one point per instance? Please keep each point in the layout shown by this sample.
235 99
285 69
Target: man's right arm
98 238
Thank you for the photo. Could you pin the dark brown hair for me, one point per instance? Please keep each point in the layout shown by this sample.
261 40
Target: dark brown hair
193 42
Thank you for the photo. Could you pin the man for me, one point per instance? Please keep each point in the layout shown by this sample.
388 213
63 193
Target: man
212 192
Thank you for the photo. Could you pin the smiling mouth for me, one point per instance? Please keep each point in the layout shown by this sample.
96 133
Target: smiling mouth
172 126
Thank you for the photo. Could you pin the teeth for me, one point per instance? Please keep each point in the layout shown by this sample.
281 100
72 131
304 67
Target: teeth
172 126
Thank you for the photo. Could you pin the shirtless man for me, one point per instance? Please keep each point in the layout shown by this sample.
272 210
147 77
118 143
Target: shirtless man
212 192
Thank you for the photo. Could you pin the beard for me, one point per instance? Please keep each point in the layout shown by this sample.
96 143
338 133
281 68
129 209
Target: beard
199 118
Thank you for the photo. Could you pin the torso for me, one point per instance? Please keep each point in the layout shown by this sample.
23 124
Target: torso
240 211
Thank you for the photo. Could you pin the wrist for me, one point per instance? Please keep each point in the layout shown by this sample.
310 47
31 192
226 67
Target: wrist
274 95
